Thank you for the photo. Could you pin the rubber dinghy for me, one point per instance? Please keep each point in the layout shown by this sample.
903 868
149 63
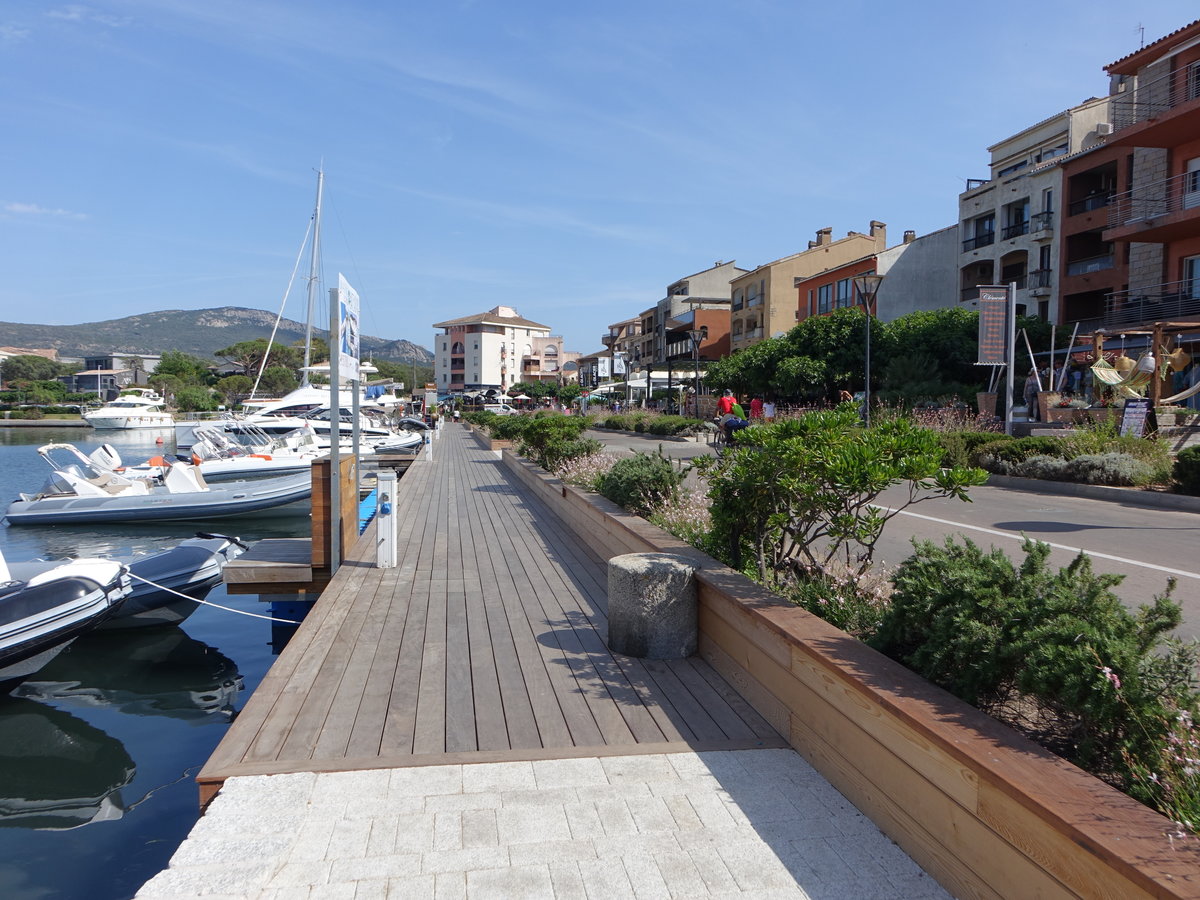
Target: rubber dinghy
80 489
165 587
39 617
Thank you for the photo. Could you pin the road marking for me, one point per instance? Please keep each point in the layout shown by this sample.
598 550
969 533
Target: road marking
1017 537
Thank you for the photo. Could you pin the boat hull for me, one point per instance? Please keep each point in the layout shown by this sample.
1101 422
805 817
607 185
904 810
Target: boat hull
229 499
125 423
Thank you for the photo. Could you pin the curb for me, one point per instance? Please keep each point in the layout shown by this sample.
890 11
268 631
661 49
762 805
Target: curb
1129 496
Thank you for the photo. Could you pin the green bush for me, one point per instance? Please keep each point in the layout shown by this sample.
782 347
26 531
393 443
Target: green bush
509 428
1109 468
1047 468
640 483
670 425
990 632
957 446
552 440
1004 457
1187 470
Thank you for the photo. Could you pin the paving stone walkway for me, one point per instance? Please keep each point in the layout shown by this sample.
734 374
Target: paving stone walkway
747 823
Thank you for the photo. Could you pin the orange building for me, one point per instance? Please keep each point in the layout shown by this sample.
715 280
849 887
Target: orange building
1156 115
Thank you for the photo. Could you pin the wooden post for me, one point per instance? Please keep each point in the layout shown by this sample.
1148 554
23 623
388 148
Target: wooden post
322 518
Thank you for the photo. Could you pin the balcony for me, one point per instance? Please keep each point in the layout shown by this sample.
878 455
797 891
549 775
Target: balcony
1040 282
1016 229
1089 203
1159 113
753 301
980 240
1042 225
1155 213
1168 302
1089 265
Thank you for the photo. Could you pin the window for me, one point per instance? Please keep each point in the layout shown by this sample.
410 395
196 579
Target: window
1015 167
845 293
1191 184
737 299
1052 152
458 349
1048 200
1191 277
824 298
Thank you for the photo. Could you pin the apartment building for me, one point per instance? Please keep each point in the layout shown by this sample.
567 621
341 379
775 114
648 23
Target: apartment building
1008 223
487 351
763 300
1156 215
919 273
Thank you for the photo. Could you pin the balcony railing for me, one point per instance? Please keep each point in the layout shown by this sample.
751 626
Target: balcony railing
980 240
1041 278
1151 99
1087 204
754 301
1159 198
1091 264
1016 229
1043 222
1157 303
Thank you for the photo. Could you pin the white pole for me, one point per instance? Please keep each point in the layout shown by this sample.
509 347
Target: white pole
1012 358
313 279
1066 360
335 438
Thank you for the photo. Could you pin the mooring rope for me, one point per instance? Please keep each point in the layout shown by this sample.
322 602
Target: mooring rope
240 612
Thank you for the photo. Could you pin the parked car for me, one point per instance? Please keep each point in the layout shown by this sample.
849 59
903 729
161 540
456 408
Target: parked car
500 409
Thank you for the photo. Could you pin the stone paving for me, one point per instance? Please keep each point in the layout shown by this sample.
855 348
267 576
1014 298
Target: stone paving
748 823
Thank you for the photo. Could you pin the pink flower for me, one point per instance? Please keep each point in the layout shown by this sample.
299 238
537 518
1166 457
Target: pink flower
1111 676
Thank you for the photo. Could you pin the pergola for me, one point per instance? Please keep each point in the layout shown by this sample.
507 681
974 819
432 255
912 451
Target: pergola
1160 334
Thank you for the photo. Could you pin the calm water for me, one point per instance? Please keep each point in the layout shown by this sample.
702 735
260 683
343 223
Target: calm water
99 750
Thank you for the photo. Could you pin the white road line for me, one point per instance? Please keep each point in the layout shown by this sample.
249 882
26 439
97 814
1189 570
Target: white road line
1017 537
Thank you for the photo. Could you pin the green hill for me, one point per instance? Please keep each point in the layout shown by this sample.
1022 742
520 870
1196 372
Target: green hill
201 332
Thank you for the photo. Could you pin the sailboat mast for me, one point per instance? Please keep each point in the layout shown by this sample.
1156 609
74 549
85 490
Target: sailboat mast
312 279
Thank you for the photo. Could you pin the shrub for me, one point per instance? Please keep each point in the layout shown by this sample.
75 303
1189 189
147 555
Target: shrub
686 516
1104 437
855 605
552 440
957 446
1187 470
1004 457
585 471
510 427
641 483
670 425
1109 468
990 633
1047 468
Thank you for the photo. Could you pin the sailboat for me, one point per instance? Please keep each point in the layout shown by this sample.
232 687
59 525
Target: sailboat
312 405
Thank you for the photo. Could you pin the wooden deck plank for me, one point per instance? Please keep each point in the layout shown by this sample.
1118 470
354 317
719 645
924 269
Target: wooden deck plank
486 642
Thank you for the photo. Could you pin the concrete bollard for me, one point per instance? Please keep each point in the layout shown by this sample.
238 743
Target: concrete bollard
652 606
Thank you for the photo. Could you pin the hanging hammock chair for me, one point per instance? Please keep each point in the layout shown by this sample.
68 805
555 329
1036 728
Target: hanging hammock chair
1130 384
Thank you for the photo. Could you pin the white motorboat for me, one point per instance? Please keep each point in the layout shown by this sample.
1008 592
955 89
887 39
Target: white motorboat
39 616
83 489
139 409
192 568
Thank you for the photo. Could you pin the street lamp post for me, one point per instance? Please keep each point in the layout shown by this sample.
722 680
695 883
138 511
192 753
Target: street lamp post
697 335
867 287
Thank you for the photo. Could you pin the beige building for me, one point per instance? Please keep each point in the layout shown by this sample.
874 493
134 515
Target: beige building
487 351
763 301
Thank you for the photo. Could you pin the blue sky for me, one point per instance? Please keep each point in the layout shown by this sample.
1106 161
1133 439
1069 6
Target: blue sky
567 159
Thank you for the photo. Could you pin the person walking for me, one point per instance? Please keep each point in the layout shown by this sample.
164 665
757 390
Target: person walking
769 410
725 403
1030 394
756 408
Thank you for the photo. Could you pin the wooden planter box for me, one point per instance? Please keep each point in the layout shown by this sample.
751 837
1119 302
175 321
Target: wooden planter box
985 811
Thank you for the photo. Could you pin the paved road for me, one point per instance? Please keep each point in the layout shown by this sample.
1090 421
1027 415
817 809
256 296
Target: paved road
1145 545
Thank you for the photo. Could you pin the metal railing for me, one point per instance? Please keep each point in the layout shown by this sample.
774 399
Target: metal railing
980 240
1042 222
1016 229
1155 97
1091 264
1041 278
1087 204
1156 303
1158 198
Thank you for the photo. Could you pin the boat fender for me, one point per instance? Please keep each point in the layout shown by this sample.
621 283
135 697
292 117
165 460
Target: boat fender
157 461
195 460
260 455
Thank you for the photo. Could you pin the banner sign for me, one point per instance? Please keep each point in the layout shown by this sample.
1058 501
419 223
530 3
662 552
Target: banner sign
993 325
604 367
347 336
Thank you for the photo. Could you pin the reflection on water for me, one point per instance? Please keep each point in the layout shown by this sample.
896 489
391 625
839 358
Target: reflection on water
57 771
151 672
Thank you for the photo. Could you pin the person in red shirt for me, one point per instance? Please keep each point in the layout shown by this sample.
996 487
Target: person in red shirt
756 408
725 403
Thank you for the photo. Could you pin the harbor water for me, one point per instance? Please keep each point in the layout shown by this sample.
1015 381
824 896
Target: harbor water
99 750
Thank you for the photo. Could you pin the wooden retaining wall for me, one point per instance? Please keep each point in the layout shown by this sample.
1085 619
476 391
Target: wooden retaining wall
985 811
321 508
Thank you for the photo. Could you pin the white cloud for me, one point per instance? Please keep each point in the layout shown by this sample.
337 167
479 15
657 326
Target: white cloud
12 34
32 209
75 12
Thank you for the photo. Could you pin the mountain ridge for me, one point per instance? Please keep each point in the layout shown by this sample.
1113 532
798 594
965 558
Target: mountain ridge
200 332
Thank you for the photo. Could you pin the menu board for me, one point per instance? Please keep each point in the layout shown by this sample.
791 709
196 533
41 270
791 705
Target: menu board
1133 422
993 326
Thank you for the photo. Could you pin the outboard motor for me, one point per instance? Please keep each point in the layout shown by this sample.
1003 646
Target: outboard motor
106 458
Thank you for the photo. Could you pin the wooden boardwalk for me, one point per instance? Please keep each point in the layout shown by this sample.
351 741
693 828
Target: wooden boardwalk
485 644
